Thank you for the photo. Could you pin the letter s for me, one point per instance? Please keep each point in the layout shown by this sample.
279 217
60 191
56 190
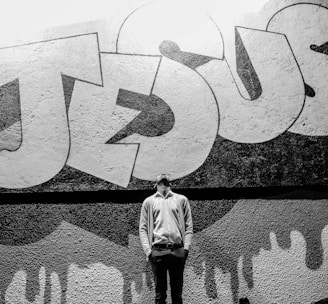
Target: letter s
306 25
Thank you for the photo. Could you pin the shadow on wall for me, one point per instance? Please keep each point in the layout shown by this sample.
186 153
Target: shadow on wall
225 231
67 246
245 230
43 235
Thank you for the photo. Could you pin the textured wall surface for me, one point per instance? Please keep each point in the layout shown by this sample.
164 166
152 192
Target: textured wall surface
234 109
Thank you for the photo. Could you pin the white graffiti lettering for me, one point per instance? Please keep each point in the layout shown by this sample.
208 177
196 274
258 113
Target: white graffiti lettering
305 34
185 147
95 118
254 121
45 132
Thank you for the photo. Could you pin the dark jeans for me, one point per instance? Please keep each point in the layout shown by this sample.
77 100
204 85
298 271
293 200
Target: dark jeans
173 262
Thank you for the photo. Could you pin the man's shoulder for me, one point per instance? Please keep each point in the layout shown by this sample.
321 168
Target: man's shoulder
179 196
149 198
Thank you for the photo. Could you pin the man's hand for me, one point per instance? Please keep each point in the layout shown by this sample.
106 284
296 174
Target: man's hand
150 256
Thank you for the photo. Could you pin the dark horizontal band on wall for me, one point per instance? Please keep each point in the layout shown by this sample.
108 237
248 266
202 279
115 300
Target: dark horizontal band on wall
137 196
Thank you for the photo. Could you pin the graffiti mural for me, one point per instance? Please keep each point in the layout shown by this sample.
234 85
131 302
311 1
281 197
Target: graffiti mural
107 105
167 100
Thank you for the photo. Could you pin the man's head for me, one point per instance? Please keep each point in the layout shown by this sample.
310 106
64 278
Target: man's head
163 183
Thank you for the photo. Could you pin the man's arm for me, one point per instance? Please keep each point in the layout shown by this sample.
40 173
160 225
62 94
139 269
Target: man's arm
143 228
188 225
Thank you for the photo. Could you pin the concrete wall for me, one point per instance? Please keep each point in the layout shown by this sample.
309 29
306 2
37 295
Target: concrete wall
233 107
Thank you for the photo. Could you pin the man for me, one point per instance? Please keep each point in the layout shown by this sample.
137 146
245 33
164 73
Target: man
165 233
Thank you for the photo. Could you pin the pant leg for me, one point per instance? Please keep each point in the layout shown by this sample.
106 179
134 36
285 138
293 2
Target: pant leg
176 269
159 267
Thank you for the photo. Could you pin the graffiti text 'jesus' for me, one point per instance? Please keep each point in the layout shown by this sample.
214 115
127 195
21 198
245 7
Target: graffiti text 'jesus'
156 105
